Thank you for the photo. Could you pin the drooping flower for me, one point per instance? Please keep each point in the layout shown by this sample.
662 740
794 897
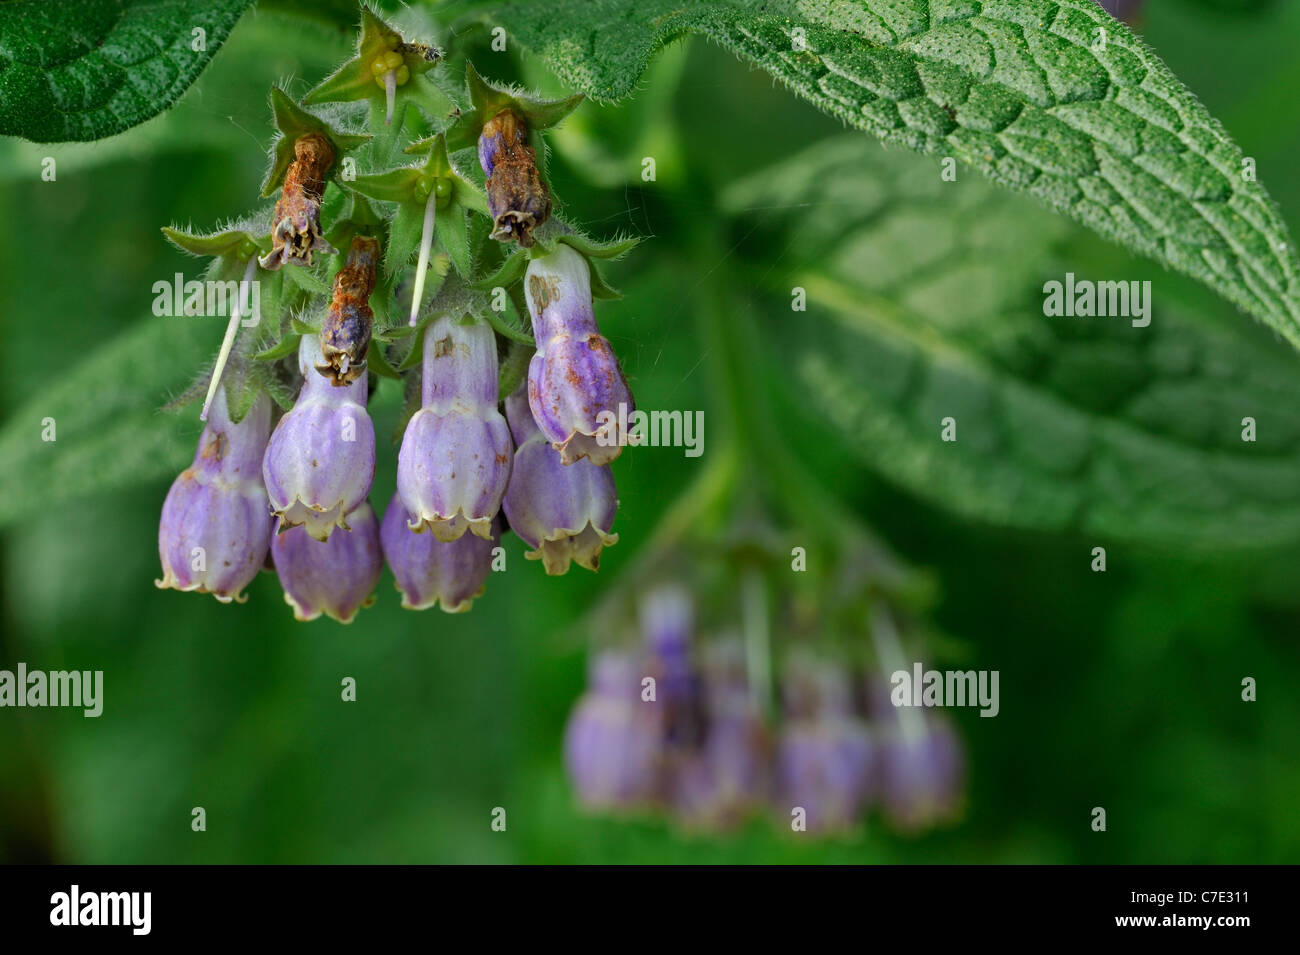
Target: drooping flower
563 512
431 572
454 464
335 577
345 330
825 767
320 462
613 744
295 223
729 775
215 529
518 200
576 388
667 621
921 772
826 758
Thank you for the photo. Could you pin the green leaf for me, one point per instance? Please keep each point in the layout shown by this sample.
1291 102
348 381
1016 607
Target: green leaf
925 302
403 238
510 271
489 99
294 122
190 125
108 431
378 362
416 352
86 70
235 242
1020 90
453 240
356 79
396 185
286 347
507 329
308 281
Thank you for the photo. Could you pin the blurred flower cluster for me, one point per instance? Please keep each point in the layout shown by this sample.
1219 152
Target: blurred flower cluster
676 722
295 491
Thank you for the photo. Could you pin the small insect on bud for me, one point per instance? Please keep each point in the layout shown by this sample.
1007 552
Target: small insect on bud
518 200
345 331
295 223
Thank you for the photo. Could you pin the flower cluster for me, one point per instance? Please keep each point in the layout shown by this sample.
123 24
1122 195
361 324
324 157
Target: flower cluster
670 726
489 446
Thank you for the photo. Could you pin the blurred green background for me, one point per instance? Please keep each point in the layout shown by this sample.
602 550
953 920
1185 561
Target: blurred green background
1119 690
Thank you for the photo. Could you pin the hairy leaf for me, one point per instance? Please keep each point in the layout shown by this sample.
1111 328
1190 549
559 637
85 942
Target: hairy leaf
226 102
1032 93
925 302
89 69
107 429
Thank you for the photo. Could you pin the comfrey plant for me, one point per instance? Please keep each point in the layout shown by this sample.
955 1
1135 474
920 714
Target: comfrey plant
680 722
353 242
745 680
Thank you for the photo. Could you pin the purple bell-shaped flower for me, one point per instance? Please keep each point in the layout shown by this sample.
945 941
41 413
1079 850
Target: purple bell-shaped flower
455 459
320 462
563 512
432 572
826 758
576 388
613 744
335 577
215 528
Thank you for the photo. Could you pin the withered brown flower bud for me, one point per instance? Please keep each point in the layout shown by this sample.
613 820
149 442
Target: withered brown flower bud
345 332
518 200
295 223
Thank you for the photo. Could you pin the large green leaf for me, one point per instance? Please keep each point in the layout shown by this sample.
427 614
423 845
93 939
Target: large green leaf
227 104
88 69
925 301
1023 90
108 432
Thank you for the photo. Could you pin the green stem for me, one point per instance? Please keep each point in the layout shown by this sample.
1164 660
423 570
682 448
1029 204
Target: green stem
758 640
732 338
706 495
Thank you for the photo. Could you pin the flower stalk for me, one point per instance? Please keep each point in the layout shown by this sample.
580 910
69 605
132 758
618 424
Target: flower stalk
422 262
228 341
